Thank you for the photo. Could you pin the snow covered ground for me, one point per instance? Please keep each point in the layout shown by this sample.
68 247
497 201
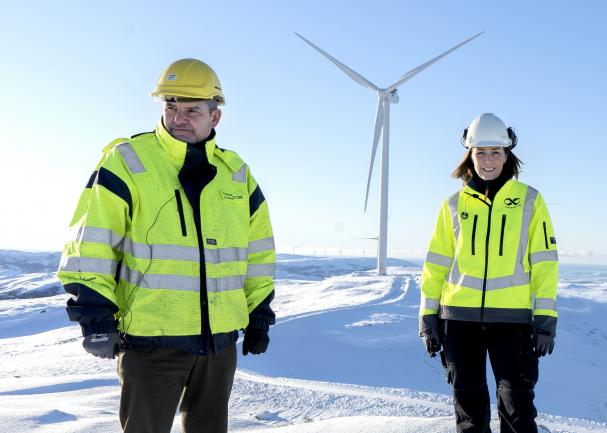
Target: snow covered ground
344 356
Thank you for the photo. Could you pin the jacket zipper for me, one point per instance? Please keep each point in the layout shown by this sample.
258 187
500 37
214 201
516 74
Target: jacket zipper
193 188
502 235
474 233
181 215
486 262
545 235
490 205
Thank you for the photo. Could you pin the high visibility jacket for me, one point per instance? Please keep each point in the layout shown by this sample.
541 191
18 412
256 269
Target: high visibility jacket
168 265
493 261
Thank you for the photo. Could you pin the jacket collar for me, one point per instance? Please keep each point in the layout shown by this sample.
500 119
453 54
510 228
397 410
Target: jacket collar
505 189
177 148
488 187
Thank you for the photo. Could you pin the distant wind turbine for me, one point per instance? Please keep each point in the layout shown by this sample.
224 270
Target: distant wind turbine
385 97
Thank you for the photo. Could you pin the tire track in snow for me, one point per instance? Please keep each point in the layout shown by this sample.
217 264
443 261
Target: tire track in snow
399 288
384 393
295 401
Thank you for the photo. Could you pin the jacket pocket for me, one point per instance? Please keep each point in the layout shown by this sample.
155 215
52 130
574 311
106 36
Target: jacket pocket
545 235
474 234
502 235
180 210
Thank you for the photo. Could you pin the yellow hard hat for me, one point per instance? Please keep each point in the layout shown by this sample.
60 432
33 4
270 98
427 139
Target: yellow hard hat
189 78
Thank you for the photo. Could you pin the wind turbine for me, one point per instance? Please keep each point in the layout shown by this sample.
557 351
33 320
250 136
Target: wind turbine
385 97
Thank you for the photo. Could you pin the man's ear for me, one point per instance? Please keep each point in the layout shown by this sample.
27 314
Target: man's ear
215 117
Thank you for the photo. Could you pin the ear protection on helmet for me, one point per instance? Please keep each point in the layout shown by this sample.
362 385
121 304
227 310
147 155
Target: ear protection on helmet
464 135
512 136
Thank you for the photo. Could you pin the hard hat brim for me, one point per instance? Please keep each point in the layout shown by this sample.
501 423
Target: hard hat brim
179 92
489 143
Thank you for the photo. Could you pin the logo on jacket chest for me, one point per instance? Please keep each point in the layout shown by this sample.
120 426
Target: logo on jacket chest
231 196
511 203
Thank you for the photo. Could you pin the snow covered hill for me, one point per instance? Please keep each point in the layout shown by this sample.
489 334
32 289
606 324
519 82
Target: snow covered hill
28 275
21 262
344 357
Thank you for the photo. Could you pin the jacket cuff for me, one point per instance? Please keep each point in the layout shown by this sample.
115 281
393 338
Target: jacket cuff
86 314
428 325
263 316
85 296
259 323
545 325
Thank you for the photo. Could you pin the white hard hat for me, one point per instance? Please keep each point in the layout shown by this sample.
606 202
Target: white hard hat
488 130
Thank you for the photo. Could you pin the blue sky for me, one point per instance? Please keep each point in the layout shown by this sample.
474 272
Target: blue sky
77 75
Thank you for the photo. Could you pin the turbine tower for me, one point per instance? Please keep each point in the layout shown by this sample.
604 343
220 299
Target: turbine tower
385 97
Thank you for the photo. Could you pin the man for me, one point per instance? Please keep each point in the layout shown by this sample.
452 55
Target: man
172 254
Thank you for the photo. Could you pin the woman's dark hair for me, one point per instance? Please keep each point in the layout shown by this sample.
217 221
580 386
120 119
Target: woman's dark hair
465 169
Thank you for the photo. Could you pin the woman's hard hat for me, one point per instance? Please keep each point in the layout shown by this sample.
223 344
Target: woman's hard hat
488 130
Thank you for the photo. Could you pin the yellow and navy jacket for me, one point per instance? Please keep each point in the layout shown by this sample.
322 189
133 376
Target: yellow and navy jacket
172 243
492 260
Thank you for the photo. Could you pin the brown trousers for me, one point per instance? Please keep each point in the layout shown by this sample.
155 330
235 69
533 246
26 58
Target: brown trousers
155 380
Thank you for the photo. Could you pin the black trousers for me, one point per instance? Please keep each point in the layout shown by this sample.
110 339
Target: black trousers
515 367
155 380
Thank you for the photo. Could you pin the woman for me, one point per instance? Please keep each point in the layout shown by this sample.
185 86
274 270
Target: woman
489 283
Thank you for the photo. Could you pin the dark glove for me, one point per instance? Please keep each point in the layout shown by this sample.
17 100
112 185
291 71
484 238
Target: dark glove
428 330
106 345
255 341
544 343
432 345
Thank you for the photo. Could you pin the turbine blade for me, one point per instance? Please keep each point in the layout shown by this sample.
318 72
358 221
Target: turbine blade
379 124
413 72
352 74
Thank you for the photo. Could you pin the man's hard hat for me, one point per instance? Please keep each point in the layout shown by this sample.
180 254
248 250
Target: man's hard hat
488 130
189 78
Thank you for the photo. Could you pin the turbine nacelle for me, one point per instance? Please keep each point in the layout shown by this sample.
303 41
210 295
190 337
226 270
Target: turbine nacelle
389 95
393 98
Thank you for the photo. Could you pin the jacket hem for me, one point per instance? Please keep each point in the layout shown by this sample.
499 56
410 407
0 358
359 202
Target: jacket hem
193 344
493 315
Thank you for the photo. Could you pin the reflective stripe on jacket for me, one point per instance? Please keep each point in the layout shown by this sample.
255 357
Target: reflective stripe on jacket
493 261
135 239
